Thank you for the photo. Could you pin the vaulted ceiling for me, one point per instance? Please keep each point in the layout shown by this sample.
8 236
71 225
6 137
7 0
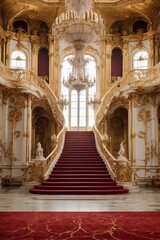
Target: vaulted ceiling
122 12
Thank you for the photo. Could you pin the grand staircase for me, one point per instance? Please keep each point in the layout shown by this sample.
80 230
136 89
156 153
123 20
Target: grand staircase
79 170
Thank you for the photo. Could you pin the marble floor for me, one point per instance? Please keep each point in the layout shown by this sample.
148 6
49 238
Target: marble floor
19 199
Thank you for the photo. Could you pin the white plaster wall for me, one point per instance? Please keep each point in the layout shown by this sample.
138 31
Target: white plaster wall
139 148
19 149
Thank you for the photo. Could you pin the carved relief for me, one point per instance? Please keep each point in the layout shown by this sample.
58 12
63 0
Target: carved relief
145 117
56 54
117 40
16 103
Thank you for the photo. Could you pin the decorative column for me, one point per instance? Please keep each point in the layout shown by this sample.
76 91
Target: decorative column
4 130
24 157
4 51
35 47
8 51
151 52
157 43
131 129
57 80
102 69
29 128
98 80
51 61
125 56
1 44
108 54
153 129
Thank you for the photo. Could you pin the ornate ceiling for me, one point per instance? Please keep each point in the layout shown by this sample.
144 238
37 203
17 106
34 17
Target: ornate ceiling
112 11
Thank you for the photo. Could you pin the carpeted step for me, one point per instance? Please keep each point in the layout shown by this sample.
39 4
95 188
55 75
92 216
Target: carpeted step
73 183
72 179
78 192
70 188
77 175
79 170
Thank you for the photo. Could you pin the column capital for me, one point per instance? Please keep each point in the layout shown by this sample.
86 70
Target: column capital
50 38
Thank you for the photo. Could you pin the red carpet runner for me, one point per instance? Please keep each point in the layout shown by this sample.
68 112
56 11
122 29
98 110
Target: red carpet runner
80 225
80 170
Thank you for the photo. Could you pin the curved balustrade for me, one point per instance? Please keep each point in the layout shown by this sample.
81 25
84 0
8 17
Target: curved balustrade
133 80
30 83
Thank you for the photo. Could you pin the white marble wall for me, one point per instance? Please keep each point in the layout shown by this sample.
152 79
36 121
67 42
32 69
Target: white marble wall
14 134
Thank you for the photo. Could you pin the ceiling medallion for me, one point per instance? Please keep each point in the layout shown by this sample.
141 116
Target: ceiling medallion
50 1
107 1
78 6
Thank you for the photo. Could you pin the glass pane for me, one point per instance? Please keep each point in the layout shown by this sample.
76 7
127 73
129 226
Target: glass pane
82 121
85 111
83 105
74 105
91 116
13 63
141 60
74 112
66 115
82 112
82 97
74 97
18 59
74 122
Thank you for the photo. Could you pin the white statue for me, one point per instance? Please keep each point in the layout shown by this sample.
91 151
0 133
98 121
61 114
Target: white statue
39 151
121 152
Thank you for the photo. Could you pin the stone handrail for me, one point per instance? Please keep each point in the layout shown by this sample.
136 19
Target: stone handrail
134 79
40 169
120 171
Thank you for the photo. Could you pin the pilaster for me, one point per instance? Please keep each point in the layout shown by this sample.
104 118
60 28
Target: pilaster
35 47
125 55
108 55
7 55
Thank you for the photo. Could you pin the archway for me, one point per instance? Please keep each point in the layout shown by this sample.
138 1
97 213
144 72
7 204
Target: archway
117 131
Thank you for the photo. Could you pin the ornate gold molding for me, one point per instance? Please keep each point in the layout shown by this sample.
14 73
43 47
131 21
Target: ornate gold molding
145 117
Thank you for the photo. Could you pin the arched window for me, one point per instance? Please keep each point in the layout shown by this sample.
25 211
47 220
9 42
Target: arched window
18 59
140 60
79 114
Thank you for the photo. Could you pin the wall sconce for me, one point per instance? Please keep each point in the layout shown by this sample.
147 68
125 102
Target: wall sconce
94 101
63 102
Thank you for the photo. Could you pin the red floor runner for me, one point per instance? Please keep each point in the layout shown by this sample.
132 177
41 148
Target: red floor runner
80 170
80 225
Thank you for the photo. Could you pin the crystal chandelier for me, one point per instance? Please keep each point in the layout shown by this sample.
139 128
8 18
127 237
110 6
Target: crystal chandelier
78 26
78 79
78 6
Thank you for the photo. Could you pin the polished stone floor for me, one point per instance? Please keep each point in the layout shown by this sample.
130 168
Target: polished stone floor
19 199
